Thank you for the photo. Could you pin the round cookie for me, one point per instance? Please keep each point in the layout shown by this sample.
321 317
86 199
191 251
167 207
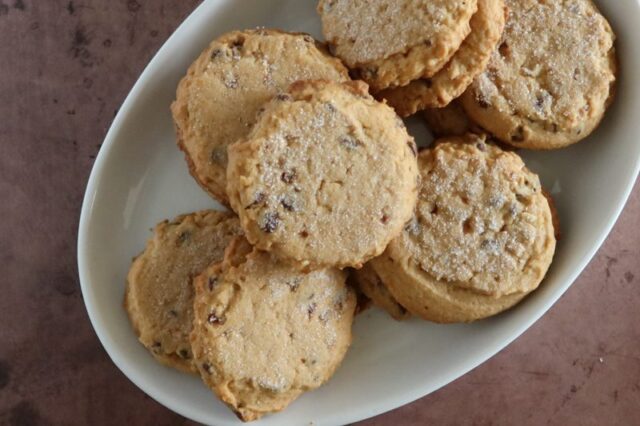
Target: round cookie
370 284
551 79
304 180
481 238
450 121
217 101
264 333
159 293
392 42
467 63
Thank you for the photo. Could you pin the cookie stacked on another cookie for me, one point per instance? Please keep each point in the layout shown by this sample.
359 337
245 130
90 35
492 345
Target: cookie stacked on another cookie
389 43
217 101
481 238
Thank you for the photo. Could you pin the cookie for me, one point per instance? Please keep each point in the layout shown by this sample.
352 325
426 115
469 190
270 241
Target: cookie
264 333
327 176
389 43
217 101
481 238
551 79
555 216
159 293
467 63
450 121
369 283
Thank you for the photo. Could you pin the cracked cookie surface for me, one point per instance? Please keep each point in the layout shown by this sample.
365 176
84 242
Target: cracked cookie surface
217 101
328 176
481 237
264 332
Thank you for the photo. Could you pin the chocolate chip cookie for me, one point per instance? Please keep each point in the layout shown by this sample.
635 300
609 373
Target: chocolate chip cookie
327 176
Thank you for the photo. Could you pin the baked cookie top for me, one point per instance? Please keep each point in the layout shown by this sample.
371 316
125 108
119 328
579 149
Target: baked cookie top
159 294
217 101
264 333
363 32
467 63
327 177
481 237
550 81
370 284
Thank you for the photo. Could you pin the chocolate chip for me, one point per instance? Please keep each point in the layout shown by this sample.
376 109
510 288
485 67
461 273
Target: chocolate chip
384 219
206 367
428 43
156 345
288 203
539 102
504 49
311 309
184 354
257 200
339 305
481 146
212 282
216 53
304 234
284 97
294 284
183 238
173 313
330 107
270 222
308 39
518 135
349 142
214 319
413 147
288 176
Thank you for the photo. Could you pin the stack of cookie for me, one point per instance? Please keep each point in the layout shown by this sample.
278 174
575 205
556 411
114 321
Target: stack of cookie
324 183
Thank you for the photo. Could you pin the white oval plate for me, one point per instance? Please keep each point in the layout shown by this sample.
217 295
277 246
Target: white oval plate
140 178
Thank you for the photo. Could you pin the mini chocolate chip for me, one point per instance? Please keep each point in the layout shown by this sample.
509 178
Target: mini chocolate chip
216 53
413 147
184 237
270 222
330 107
481 146
294 284
539 102
206 367
384 219
504 49
339 305
288 176
554 128
288 203
219 155
349 142
156 345
212 282
173 313
257 200
303 234
518 136
311 309
308 39
214 319
284 97
184 354
428 43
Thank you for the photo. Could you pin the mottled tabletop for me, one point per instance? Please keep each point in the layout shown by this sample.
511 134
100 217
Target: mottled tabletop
65 68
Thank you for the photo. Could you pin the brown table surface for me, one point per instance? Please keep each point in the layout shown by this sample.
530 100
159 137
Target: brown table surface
65 68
